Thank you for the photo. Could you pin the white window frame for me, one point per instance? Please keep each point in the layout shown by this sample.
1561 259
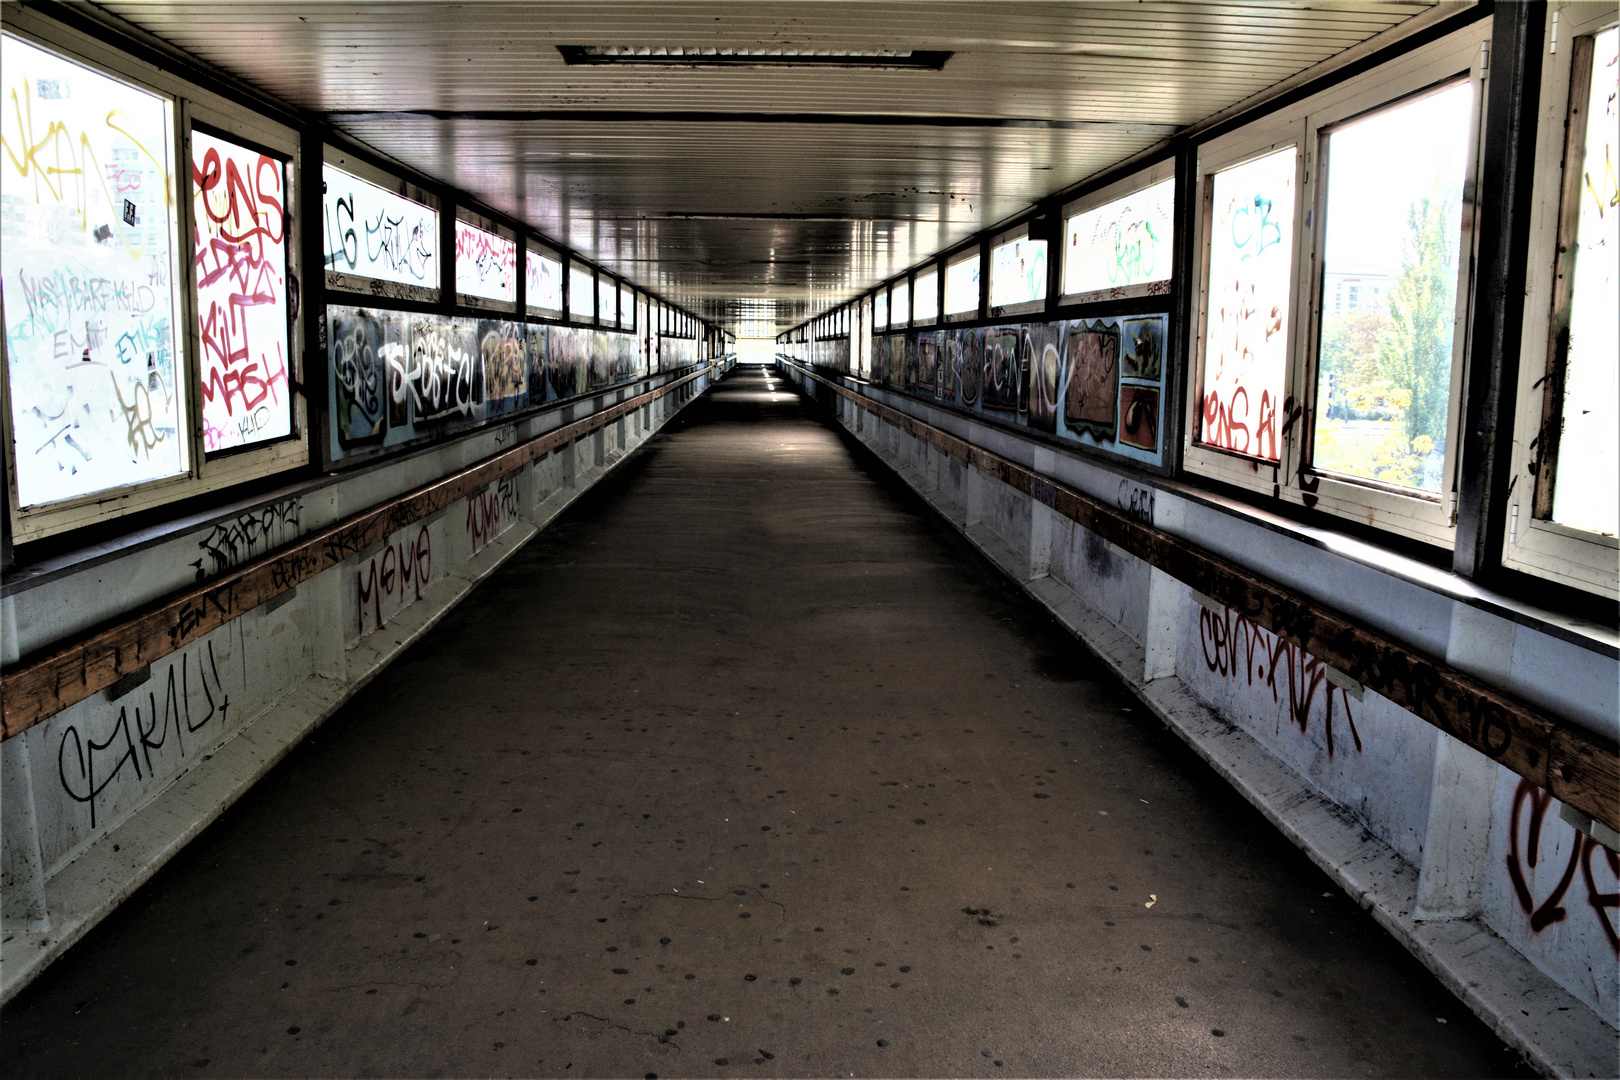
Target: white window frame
1119 189
203 473
1417 515
1024 307
1585 560
489 225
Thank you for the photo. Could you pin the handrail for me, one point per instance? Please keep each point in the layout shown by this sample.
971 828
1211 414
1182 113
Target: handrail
40 687
1575 765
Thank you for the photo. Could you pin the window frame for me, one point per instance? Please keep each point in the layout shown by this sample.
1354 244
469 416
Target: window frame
201 473
578 268
370 288
1134 184
1022 231
467 216
1532 544
902 282
932 270
1418 516
535 248
966 255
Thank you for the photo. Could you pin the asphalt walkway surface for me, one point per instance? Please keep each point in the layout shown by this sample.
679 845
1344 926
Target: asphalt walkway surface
748 765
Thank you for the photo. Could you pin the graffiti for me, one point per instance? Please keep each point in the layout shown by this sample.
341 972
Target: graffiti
1235 646
372 232
1524 852
85 250
362 345
1000 388
543 281
246 537
442 376
1091 398
1135 500
486 264
86 766
240 255
1139 417
1042 342
489 511
1251 261
1122 248
501 353
397 575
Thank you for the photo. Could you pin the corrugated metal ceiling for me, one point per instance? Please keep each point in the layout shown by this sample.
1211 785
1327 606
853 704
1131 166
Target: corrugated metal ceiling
762 193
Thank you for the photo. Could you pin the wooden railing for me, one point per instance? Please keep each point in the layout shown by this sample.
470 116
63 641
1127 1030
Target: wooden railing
1578 767
38 687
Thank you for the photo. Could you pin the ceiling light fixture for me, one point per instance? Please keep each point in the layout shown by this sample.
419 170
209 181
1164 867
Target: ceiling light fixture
751 56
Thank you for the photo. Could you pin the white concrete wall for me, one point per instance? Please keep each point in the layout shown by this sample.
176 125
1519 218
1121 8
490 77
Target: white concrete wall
98 796
1423 830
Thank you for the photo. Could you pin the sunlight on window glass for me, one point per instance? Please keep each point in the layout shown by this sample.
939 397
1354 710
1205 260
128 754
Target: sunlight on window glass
880 311
926 304
1394 204
962 286
581 292
900 305
1018 272
1251 260
544 281
98 385
1586 493
1124 244
607 303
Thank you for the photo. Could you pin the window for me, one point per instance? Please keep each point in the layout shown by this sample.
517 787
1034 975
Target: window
627 307
1394 201
1121 248
486 266
581 292
239 227
1562 523
376 234
543 285
926 306
1313 387
607 302
962 286
1017 272
147 244
880 310
900 303
93 355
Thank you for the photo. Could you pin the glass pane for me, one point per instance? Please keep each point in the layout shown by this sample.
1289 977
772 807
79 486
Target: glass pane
1389 282
1123 243
1586 491
1251 255
486 264
627 307
880 311
962 286
374 233
900 303
581 293
607 303
1018 272
544 281
97 389
240 251
926 304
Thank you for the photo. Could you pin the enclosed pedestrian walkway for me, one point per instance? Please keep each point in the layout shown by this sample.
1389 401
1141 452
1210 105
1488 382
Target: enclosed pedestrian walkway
747 765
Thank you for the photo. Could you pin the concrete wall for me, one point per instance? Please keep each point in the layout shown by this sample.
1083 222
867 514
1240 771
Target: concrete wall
99 795
1472 868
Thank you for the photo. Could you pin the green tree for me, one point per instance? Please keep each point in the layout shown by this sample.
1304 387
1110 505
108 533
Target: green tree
1350 358
1414 353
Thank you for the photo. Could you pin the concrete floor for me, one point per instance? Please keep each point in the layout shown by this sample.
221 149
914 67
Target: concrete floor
747 766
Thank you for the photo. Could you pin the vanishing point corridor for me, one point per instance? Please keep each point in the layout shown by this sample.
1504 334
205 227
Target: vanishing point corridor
747 765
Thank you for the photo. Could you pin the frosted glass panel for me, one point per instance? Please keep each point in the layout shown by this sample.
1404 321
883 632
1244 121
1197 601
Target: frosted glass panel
87 239
962 286
544 282
240 254
486 264
1251 254
1124 244
1018 272
926 304
372 232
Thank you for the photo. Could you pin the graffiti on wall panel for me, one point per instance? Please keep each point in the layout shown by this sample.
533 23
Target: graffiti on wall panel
245 537
1234 646
393 578
1592 871
1042 343
443 377
490 511
1091 397
486 264
1000 382
186 700
365 346
501 354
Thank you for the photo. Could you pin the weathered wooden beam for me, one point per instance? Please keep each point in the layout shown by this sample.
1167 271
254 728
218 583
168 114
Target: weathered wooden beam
41 686
1575 765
